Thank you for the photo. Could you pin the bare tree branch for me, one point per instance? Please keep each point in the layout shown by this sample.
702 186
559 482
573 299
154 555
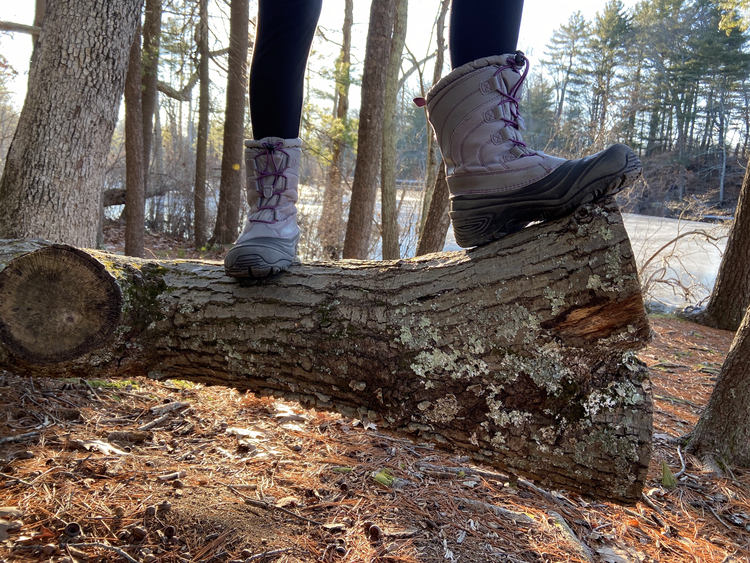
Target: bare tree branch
19 28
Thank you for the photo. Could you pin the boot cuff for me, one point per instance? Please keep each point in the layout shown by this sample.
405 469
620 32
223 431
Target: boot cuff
288 143
463 70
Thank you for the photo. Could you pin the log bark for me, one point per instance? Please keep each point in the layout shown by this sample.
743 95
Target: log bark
520 352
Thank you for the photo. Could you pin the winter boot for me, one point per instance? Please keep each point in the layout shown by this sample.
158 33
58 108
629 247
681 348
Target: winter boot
268 243
497 184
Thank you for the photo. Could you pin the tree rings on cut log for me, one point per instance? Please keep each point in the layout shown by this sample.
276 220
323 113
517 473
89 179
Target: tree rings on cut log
57 304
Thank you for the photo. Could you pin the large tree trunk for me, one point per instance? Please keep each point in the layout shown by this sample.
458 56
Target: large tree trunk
519 352
388 172
332 219
135 202
730 297
150 95
201 149
433 160
53 177
40 7
432 237
370 136
230 189
723 430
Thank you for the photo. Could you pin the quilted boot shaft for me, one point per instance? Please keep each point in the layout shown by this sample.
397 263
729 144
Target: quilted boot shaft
272 166
474 111
497 183
268 242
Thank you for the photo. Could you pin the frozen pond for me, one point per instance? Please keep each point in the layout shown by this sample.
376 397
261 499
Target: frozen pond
680 260
689 254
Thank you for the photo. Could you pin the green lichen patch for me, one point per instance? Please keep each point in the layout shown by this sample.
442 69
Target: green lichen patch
444 410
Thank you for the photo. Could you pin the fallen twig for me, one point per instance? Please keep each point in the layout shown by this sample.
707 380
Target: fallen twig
27 483
571 536
682 463
20 436
265 554
267 506
650 503
464 470
504 512
727 526
93 391
155 422
546 494
169 407
117 550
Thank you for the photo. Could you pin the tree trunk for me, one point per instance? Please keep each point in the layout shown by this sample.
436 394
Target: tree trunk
135 202
723 431
150 96
388 210
731 294
40 8
432 238
370 136
230 189
54 173
519 352
201 149
332 218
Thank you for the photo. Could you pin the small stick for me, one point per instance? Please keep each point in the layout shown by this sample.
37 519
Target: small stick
266 506
27 483
718 517
155 422
465 470
682 463
497 510
93 392
546 494
169 407
273 553
20 436
117 550
56 398
571 535
651 504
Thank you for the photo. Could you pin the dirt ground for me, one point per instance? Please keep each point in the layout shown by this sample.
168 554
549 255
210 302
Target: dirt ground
148 471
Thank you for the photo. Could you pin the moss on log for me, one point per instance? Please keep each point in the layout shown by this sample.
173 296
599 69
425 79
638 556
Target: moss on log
520 352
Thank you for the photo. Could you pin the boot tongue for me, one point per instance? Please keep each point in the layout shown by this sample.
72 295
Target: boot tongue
511 77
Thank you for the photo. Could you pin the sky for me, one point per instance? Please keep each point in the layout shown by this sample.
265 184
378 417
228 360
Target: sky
540 19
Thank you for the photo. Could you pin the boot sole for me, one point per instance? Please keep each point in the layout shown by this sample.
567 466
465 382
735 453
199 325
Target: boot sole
260 258
481 219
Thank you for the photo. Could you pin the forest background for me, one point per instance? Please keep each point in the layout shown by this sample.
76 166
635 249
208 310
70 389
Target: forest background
659 75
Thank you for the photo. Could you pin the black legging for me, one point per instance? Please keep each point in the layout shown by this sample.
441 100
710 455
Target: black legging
478 28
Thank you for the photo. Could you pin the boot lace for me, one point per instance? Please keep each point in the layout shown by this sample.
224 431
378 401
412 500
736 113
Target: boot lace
512 97
270 169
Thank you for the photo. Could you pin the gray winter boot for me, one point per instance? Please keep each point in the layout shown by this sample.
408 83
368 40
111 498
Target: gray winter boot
268 243
497 184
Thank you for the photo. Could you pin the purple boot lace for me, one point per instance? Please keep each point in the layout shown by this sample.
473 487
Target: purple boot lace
513 63
267 192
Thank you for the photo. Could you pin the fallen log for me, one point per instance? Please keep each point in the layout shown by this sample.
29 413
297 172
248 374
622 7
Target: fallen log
520 352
